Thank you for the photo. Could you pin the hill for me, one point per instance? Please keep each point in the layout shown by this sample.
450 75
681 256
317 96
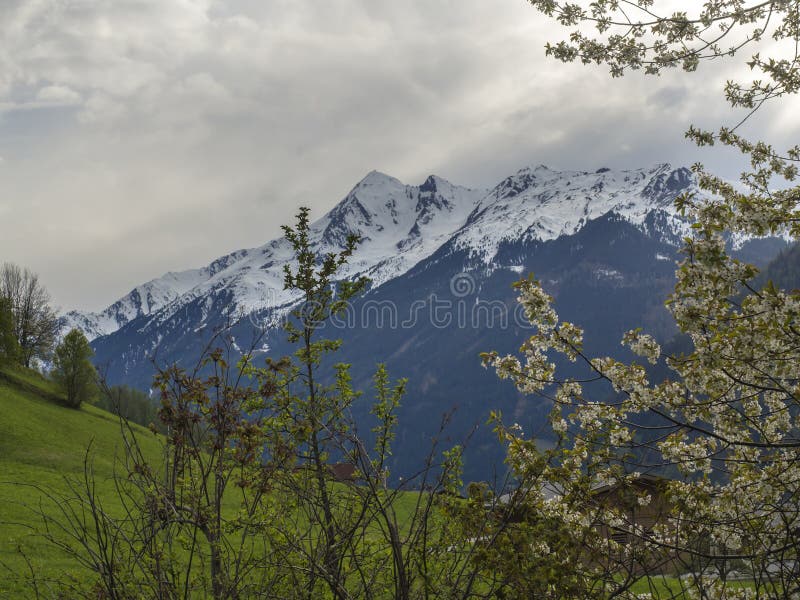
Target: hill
43 453
43 446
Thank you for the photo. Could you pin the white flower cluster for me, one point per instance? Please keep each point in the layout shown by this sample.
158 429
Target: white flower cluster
643 345
727 419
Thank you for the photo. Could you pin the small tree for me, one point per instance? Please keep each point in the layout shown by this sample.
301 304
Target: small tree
73 369
9 347
36 324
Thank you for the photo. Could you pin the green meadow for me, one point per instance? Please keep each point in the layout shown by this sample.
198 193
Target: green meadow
44 447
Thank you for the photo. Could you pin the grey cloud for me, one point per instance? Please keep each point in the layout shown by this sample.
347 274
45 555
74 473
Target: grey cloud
150 135
667 97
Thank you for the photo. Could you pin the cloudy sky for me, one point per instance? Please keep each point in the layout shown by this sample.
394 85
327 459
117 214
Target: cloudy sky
142 136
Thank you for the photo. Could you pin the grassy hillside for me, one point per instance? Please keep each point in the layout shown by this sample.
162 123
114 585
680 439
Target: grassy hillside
43 447
44 444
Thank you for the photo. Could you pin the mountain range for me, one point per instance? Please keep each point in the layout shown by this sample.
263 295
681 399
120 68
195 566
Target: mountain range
402 225
441 259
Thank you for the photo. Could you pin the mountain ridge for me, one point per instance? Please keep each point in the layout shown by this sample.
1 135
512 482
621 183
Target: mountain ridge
402 225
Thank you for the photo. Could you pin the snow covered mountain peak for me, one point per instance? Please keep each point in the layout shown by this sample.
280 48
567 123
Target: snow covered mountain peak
143 300
376 177
401 225
539 203
666 183
384 211
374 204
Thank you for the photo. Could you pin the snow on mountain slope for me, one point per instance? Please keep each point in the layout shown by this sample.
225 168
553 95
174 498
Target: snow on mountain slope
399 224
541 204
143 300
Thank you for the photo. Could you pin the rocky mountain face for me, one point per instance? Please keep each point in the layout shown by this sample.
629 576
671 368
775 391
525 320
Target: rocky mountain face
442 259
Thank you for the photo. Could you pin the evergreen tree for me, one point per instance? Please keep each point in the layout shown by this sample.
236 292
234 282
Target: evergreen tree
73 369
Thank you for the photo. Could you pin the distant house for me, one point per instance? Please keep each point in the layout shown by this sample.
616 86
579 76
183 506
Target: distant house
343 472
627 498
642 503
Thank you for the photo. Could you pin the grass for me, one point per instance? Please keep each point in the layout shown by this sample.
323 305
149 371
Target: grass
672 587
43 444
32 382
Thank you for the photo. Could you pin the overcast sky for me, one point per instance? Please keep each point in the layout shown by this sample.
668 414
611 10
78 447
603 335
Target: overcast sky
142 136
